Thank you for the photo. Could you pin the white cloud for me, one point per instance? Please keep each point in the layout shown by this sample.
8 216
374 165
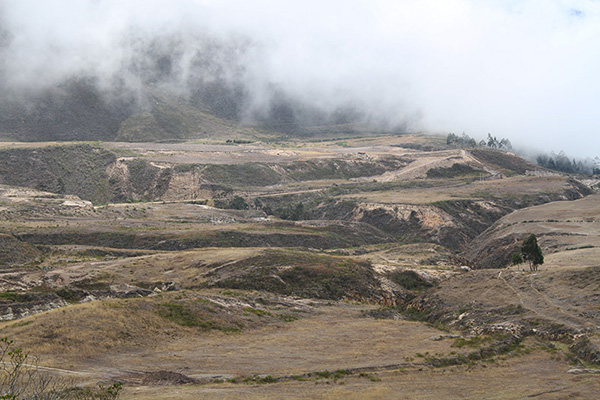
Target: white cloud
522 69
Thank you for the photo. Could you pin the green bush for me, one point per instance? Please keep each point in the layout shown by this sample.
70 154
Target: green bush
410 280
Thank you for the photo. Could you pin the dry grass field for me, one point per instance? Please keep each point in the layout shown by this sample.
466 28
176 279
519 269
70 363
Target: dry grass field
476 189
518 378
339 278
388 357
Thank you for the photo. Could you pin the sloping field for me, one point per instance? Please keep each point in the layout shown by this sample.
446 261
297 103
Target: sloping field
476 189
306 270
568 232
344 353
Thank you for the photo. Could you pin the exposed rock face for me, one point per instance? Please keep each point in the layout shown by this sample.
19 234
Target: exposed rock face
452 224
10 310
587 350
494 247
428 217
127 291
136 180
407 221
17 304
485 255
188 185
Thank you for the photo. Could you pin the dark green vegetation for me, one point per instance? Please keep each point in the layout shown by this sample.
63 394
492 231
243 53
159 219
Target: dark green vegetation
223 312
410 280
532 253
234 175
15 297
557 162
281 235
517 258
14 252
191 317
465 140
79 109
561 162
75 110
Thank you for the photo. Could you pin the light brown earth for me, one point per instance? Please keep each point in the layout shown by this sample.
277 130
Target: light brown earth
523 377
260 334
508 187
330 337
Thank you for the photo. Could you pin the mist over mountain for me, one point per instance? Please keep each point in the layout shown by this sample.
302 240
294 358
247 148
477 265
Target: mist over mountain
525 69
200 71
91 79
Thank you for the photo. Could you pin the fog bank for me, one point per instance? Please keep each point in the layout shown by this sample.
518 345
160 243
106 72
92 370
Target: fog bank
525 70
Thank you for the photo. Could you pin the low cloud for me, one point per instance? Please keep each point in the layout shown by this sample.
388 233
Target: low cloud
525 70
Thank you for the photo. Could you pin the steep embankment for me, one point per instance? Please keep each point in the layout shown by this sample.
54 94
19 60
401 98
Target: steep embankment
559 302
74 169
14 252
555 305
561 228
466 193
323 237
97 174
452 223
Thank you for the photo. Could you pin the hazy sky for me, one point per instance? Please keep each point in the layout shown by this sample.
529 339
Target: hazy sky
522 69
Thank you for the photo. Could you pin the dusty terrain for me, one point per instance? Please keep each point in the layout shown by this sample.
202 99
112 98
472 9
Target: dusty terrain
352 268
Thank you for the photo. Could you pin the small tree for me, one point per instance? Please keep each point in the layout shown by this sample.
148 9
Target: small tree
22 379
492 141
505 144
517 258
532 253
451 139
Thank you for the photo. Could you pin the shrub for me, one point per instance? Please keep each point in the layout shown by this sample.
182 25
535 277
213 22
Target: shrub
409 280
21 378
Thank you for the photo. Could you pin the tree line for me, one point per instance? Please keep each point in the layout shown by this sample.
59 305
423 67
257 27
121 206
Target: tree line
465 140
561 162
556 162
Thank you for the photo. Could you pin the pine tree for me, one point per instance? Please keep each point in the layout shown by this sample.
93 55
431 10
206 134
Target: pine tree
532 253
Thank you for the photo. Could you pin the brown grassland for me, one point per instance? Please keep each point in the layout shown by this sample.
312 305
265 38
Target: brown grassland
312 287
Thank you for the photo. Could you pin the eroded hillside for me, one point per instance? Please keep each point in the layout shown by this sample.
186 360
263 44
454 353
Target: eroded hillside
446 197
292 264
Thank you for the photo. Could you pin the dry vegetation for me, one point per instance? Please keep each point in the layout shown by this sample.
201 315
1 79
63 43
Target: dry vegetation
306 270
